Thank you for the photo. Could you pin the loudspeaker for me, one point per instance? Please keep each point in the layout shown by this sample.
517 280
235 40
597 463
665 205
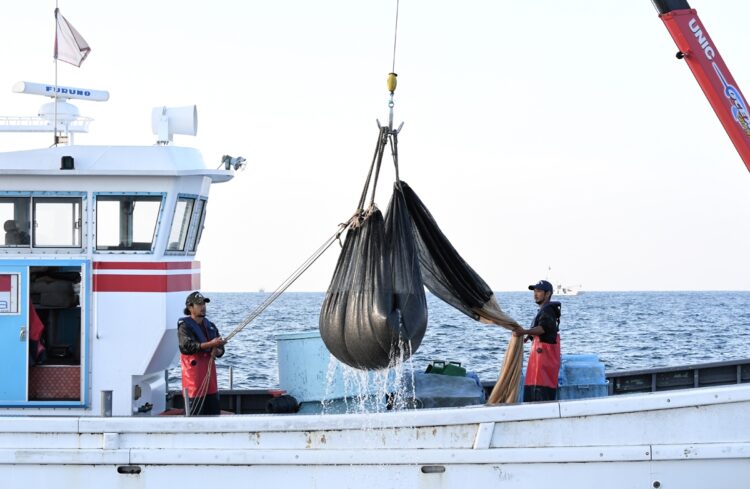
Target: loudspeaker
166 121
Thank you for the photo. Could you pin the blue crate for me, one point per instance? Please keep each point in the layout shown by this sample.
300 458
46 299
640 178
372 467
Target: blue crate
581 370
582 391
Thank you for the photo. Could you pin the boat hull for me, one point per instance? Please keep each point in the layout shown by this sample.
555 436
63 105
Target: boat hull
688 439
682 474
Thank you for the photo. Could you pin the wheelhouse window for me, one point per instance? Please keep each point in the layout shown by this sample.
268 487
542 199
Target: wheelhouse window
180 224
14 214
126 222
197 228
57 222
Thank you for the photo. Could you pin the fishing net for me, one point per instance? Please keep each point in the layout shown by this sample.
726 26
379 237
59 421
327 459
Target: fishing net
375 312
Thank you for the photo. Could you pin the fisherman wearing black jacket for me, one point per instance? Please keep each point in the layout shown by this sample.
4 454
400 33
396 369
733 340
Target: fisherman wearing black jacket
200 344
540 383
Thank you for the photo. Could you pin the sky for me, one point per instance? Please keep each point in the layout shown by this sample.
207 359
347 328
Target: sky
549 139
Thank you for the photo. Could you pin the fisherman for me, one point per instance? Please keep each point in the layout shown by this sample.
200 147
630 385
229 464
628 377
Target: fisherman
540 383
200 344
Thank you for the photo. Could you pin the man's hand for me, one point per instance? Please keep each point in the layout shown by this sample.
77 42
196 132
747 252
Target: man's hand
519 331
215 343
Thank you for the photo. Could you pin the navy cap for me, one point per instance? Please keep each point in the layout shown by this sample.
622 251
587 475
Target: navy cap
542 285
196 298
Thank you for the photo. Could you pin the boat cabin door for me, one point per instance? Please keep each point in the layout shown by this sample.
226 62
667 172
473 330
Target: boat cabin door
13 333
43 316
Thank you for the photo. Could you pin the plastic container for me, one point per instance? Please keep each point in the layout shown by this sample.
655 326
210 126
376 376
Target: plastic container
580 357
583 391
309 373
303 367
435 391
446 368
581 370
581 377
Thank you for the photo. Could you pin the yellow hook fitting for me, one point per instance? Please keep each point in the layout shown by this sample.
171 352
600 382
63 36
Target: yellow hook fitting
392 82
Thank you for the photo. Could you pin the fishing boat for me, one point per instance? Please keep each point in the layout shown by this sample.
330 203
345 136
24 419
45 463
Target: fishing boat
567 289
97 258
100 232
558 288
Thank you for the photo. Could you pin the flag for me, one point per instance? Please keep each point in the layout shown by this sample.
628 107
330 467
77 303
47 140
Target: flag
70 46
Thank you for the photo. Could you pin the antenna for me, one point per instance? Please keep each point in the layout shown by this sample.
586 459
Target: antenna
63 93
56 116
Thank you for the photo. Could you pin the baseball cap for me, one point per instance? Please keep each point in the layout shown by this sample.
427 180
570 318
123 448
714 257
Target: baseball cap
542 285
196 298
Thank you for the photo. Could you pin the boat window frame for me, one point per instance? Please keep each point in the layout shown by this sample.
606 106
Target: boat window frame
77 222
31 248
192 198
157 225
22 246
196 226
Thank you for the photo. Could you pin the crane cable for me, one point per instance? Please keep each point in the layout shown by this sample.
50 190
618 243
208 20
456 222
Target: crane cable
395 34
391 83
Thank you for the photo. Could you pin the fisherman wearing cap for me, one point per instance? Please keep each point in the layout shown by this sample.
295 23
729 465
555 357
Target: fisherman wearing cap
540 383
200 343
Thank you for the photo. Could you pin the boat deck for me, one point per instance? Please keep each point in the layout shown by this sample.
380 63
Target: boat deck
255 401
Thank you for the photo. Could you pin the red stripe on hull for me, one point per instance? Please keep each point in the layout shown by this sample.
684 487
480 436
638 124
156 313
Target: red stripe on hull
146 265
147 283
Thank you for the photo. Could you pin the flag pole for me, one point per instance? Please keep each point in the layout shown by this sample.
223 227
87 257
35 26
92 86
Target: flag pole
74 49
54 143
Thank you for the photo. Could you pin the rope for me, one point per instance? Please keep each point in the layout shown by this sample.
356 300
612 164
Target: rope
359 215
378 150
382 141
202 390
290 280
394 153
200 393
395 33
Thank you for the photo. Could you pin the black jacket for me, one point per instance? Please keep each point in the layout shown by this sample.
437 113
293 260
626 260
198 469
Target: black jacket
548 318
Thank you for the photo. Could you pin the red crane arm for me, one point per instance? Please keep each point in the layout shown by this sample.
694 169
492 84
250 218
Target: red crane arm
703 58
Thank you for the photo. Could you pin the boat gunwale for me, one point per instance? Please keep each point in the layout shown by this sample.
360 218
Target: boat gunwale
468 415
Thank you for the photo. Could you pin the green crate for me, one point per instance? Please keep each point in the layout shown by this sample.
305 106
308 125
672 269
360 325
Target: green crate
442 367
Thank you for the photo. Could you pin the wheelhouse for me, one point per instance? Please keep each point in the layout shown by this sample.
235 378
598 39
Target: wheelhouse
97 253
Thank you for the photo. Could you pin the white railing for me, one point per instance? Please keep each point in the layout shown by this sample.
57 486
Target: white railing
38 124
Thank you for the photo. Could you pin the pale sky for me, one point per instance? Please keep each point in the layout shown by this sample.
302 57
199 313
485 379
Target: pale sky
539 133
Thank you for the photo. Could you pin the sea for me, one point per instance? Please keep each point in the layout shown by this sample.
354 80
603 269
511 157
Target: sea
626 330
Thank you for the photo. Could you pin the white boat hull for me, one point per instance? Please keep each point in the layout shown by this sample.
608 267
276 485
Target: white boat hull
692 438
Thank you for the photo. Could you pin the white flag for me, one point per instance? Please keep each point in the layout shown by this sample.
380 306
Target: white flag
70 46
